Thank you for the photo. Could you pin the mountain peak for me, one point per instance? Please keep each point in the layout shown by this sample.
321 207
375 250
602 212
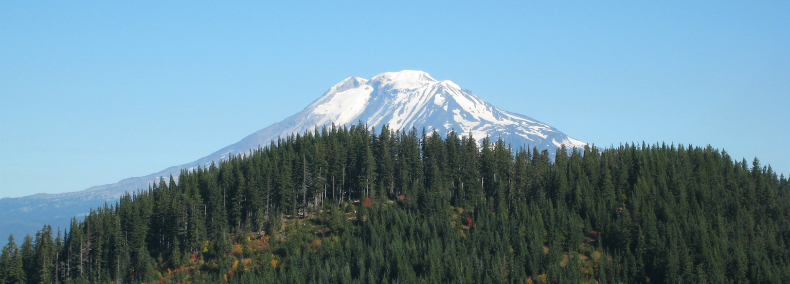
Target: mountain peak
403 79
406 99
412 98
347 84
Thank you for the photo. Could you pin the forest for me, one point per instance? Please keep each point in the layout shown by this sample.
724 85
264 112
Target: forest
357 205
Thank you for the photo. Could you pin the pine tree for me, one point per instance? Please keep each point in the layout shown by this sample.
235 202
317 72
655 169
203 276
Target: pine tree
44 257
11 270
28 258
385 161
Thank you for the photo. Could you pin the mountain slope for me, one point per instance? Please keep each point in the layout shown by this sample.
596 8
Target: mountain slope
401 100
404 100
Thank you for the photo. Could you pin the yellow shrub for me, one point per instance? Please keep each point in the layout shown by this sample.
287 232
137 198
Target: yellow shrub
237 249
247 262
206 246
235 265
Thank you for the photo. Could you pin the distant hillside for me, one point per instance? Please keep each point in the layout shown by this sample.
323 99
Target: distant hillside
347 205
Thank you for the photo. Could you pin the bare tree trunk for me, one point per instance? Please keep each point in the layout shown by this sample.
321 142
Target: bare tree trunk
118 270
268 199
304 185
80 266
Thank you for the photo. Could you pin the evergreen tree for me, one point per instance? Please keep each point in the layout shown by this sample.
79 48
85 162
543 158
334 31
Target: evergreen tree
11 270
28 258
44 257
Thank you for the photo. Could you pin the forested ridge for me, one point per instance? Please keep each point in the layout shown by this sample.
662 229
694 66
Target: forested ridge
355 205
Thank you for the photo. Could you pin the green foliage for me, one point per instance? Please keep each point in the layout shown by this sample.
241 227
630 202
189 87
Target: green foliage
441 210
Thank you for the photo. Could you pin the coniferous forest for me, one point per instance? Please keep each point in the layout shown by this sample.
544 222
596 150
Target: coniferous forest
354 205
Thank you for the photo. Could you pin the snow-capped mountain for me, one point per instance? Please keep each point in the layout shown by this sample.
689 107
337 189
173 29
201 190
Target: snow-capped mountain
401 100
404 100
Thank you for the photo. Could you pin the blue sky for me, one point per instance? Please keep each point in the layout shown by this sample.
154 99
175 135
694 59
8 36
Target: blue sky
94 92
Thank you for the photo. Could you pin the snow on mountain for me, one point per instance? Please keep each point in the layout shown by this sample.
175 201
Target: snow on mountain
401 100
404 100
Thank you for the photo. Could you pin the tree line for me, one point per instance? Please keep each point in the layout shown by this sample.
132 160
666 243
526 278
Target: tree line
354 205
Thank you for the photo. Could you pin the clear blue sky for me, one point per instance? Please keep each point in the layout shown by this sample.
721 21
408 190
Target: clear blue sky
94 92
